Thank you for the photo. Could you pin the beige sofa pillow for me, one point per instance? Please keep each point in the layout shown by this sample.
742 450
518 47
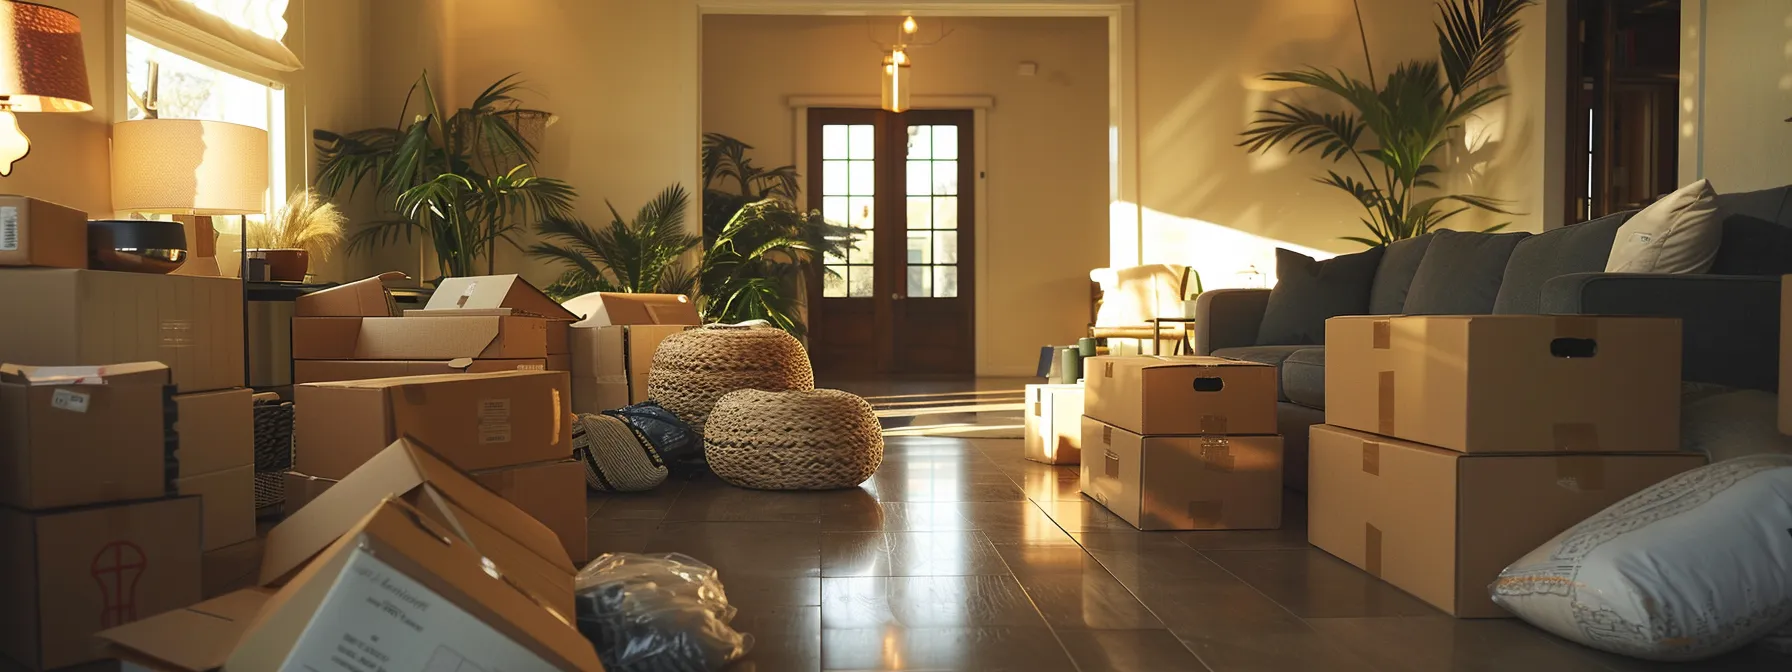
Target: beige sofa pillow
1677 234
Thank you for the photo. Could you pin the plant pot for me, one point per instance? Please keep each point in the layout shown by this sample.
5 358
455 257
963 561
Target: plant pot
287 265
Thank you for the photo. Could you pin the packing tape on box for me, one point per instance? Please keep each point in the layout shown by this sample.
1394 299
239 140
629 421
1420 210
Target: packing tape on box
1038 408
1580 473
1213 424
1371 458
1385 403
1372 550
1107 435
1207 513
1383 334
1216 453
1577 437
1107 369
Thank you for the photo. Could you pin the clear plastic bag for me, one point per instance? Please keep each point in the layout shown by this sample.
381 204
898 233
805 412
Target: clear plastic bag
660 612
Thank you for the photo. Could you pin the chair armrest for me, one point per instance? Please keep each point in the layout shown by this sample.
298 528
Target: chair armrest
1228 318
1731 323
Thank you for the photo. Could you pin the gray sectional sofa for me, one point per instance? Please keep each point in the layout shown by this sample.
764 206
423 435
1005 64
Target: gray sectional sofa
1731 315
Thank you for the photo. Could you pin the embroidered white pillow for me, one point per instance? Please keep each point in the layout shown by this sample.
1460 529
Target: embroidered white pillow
1677 234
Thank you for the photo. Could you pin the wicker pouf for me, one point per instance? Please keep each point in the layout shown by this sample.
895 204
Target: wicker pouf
692 369
804 440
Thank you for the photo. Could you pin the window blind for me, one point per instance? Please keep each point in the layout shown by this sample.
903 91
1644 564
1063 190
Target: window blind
181 27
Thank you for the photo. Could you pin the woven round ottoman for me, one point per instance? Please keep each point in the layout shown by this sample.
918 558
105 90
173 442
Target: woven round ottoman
692 369
801 440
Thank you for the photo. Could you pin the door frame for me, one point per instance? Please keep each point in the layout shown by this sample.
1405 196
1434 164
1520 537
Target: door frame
979 107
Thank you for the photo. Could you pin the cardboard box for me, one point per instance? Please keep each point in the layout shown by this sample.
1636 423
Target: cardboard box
602 309
488 292
1054 423
560 341
402 589
1786 354
550 492
408 470
94 318
198 638
407 338
300 489
227 500
560 362
81 435
1184 482
41 233
331 370
1537 382
214 431
367 297
1152 395
476 421
69 573
1442 524
610 364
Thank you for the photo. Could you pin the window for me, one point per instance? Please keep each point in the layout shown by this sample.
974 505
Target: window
933 211
848 194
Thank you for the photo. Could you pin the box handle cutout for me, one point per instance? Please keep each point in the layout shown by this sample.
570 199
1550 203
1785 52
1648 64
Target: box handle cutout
1113 464
1209 384
1573 348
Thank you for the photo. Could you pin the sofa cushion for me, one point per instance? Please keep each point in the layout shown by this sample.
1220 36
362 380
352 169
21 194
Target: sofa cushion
1677 234
1772 205
1308 291
1753 246
1461 273
1580 248
1303 377
1387 295
1264 354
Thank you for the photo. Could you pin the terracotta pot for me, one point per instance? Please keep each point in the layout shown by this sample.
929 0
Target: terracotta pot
288 265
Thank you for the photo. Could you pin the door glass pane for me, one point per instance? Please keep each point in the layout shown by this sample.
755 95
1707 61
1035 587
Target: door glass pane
861 252
945 212
920 142
862 213
858 280
833 141
920 247
833 282
864 141
834 209
920 212
833 177
864 178
920 282
920 178
945 282
945 247
945 142
945 178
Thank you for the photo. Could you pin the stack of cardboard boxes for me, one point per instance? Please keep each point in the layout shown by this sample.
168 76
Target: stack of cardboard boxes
613 346
123 393
407 563
1183 443
1456 444
470 325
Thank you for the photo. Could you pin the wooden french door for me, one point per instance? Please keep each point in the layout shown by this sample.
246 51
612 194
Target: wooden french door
900 302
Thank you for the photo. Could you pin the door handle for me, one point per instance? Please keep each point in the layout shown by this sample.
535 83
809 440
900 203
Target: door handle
896 297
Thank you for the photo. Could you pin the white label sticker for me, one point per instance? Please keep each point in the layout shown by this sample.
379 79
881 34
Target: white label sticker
9 229
1643 237
494 420
69 400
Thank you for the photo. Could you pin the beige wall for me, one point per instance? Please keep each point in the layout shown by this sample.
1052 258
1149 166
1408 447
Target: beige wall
70 154
1732 123
1046 185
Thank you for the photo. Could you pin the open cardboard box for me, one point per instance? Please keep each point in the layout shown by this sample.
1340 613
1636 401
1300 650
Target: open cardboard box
81 435
198 638
405 338
501 296
367 297
613 345
333 370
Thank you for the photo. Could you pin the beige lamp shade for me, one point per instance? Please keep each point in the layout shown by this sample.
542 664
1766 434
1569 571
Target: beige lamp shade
41 65
189 167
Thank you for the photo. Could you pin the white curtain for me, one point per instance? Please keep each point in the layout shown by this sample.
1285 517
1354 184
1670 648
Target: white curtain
241 37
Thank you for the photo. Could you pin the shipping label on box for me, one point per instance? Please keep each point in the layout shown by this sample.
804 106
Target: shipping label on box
1152 395
1441 524
1537 382
1214 482
69 573
1053 423
81 435
41 233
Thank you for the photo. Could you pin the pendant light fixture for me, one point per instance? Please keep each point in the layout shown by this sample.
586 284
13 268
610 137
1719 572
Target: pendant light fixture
896 89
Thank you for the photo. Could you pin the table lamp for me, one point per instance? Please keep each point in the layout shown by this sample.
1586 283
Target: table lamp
42 69
190 167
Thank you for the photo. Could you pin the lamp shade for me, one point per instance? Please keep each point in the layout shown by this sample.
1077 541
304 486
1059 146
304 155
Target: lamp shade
41 65
189 167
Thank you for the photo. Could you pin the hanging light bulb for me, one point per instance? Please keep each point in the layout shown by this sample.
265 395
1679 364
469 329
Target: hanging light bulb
908 25
896 82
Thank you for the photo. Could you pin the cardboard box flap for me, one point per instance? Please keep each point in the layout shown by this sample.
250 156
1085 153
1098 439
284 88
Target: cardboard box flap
366 297
496 291
152 373
402 467
401 381
602 309
195 639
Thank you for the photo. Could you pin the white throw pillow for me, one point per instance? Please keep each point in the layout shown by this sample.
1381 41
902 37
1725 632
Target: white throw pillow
1689 568
1677 234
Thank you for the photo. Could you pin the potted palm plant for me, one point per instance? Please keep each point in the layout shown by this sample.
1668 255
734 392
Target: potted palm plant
463 180
306 227
641 255
1392 131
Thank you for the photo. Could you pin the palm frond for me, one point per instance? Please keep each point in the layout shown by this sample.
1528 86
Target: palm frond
1474 37
1334 134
